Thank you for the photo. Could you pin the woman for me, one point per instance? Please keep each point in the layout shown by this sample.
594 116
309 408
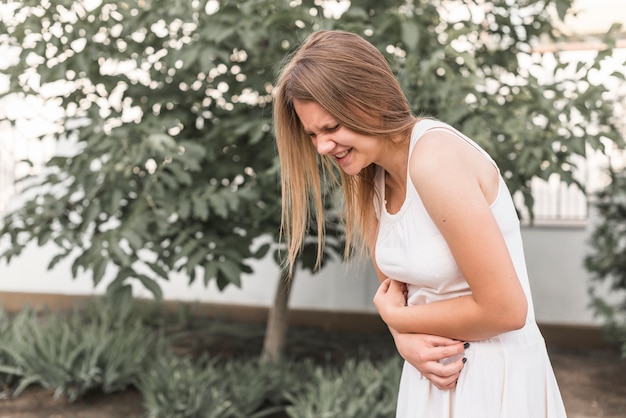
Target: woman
438 220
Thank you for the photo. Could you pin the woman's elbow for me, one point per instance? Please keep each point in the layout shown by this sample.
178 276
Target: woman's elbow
516 314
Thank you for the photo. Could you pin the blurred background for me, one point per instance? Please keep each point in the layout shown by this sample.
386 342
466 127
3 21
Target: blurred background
123 82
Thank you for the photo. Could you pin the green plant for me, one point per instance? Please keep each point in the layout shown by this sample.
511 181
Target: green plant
258 389
363 389
50 353
106 345
74 353
607 260
179 387
8 375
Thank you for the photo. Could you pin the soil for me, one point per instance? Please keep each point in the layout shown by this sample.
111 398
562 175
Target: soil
592 382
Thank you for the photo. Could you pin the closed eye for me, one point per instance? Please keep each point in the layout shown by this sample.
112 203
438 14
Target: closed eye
313 135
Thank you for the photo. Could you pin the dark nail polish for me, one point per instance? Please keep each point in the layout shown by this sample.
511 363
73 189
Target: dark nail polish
466 345
464 360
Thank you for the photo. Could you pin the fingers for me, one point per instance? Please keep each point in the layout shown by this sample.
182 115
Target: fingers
443 382
445 376
447 384
396 285
381 291
437 341
443 348
421 348
445 362
425 353
384 286
451 351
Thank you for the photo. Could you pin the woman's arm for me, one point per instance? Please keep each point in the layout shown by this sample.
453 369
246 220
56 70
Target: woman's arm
456 184
423 351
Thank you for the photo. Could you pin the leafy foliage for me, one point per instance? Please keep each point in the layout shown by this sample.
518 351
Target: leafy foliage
355 390
7 370
168 104
99 348
72 354
180 386
607 261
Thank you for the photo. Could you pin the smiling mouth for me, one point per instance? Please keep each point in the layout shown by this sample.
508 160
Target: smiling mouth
343 154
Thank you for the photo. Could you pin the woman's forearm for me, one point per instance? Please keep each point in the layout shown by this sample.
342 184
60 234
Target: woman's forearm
462 318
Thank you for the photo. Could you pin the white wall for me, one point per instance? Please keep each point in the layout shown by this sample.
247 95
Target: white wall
558 279
555 264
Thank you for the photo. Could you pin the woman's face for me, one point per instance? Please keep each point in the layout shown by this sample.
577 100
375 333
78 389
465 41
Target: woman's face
352 151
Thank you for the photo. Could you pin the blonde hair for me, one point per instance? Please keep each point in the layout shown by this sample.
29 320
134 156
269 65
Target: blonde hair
350 79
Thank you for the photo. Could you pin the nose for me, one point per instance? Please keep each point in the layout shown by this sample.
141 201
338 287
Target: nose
324 144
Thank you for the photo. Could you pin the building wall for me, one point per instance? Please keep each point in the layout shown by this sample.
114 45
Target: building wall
554 256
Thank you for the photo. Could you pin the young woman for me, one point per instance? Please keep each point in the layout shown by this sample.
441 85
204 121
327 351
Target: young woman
435 214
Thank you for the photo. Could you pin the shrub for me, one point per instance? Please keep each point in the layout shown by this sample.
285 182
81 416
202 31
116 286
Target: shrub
178 386
607 261
110 345
363 389
8 372
72 354
257 389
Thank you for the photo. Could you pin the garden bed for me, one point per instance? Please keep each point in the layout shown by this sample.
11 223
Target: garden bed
592 381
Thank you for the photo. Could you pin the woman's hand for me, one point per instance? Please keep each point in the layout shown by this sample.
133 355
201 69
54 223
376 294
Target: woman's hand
391 295
424 352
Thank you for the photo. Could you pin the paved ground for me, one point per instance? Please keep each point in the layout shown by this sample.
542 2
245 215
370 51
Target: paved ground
593 383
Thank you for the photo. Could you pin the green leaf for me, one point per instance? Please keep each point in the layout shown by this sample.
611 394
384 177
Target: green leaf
231 271
210 271
155 267
44 237
99 270
133 239
410 34
262 251
117 253
200 209
56 259
218 203
184 208
221 280
161 142
151 285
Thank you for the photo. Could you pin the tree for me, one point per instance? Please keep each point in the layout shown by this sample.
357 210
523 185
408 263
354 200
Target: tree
169 104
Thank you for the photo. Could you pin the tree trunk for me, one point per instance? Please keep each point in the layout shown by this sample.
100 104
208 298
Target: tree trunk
274 343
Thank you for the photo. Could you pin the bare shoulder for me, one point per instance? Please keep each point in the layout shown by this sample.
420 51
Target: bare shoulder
446 166
441 154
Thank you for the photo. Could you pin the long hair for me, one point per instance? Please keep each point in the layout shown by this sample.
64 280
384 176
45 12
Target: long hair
350 79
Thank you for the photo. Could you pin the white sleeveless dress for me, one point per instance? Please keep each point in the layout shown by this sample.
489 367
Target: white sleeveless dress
507 376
